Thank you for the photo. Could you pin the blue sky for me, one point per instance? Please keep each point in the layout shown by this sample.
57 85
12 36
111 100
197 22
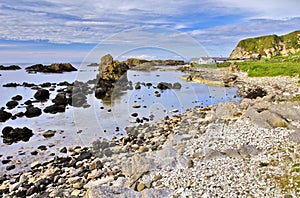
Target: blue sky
52 30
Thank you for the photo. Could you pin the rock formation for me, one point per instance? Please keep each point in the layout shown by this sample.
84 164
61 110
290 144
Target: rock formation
267 46
53 68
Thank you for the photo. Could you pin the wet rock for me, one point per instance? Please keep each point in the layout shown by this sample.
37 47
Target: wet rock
28 102
32 112
253 93
49 133
136 106
55 109
134 114
42 148
78 99
17 97
11 135
42 95
4 115
138 85
12 104
46 84
84 155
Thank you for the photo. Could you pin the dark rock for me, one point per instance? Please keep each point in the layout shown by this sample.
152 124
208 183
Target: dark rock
164 85
42 95
20 114
28 102
25 84
84 155
34 152
138 85
253 93
6 161
46 84
64 150
32 112
11 85
11 67
17 97
42 148
55 109
4 115
49 133
10 167
53 68
30 191
60 99
12 104
11 135
134 114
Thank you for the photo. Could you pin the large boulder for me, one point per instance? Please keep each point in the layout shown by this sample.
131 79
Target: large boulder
42 95
55 109
60 99
113 72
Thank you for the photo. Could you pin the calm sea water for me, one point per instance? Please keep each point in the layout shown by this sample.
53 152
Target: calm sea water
82 126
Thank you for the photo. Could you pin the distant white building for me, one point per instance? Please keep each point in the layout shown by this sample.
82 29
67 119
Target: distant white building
203 60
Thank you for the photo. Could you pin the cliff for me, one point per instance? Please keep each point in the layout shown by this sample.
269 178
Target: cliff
268 46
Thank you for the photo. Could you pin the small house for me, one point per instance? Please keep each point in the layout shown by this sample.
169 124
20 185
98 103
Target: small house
203 60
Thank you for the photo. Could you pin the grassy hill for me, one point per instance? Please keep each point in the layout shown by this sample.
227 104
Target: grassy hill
268 46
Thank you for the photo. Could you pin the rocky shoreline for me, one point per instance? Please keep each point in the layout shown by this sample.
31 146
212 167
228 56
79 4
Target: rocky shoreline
239 149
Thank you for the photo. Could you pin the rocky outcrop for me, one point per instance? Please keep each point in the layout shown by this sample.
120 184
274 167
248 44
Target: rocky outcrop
53 68
110 72
4 115
11 67
267 46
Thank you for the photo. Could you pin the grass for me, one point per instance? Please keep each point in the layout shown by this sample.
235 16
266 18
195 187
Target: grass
276 66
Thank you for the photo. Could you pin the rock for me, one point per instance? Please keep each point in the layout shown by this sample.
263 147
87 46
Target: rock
96 164
32 112
213 154
176 85
10 167
35 164
255 92
49 133
225 110
78 100
12 104
136 106
42 95
60 99
164 85
142 149
11 67
11 135
105 61
84 155
295 136
17 97
134 114
64 150
53 68
247 151
11 85
140 187
55 109
138 85
190 163
4 115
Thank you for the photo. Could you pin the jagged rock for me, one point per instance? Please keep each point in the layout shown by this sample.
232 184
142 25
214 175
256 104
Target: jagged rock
164 85
105 61
60 99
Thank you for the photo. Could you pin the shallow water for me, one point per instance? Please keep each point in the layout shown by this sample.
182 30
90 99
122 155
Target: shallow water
82 126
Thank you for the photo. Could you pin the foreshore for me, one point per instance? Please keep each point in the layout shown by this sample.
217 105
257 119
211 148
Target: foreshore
248 148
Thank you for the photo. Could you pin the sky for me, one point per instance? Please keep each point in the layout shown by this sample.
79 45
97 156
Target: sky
83 30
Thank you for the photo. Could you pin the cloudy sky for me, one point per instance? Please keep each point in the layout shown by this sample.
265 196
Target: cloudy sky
55 30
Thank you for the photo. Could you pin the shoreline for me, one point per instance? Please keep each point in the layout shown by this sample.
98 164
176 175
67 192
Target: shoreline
197 153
